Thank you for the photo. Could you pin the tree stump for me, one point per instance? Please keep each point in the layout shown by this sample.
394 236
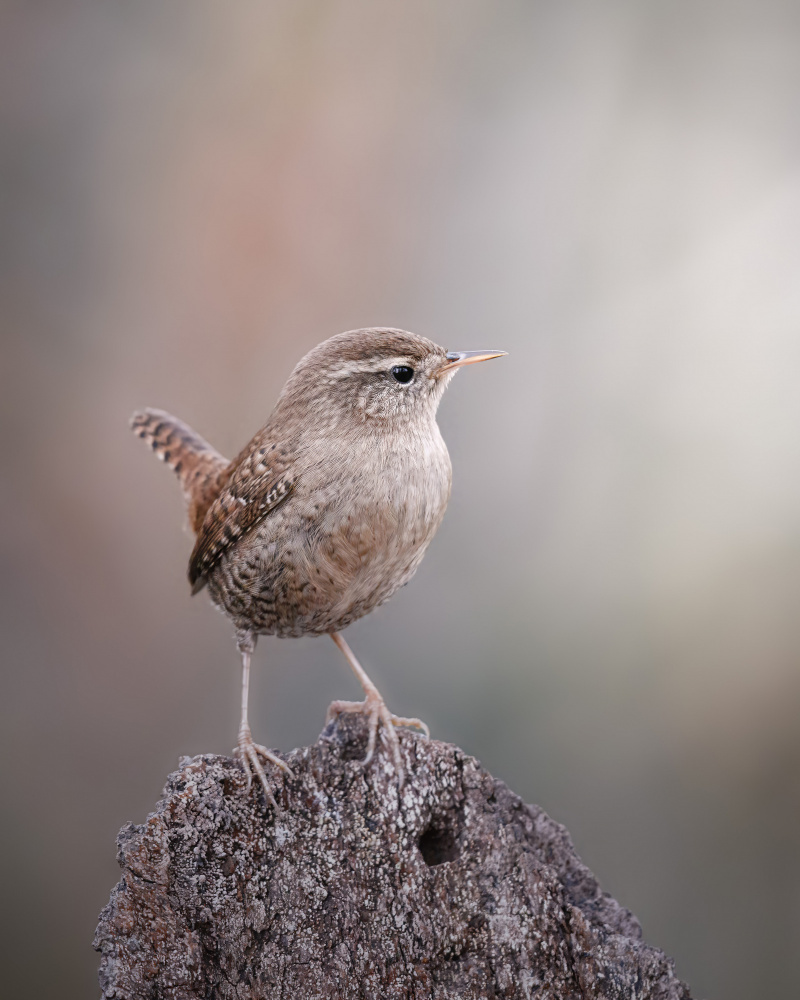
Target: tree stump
450 887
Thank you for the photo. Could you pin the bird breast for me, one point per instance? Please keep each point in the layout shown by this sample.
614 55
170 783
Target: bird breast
353 531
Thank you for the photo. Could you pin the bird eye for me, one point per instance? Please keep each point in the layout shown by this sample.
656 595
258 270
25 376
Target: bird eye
403 373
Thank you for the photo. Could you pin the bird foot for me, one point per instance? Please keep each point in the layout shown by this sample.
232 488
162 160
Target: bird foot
249 753
378 714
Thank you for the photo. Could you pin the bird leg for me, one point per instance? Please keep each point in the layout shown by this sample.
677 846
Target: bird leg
374 707
246 750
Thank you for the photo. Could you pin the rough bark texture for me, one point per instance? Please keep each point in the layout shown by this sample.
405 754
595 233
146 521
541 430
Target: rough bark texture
451 888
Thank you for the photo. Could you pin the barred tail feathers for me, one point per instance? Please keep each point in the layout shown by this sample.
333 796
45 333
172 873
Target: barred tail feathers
201 469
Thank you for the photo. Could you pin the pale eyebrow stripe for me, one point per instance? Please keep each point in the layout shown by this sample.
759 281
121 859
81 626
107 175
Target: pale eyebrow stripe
376 364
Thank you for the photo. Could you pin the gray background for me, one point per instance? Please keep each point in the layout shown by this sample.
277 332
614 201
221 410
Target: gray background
193 195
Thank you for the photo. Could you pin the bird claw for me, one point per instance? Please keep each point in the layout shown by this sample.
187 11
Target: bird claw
398 720
377 713
249 753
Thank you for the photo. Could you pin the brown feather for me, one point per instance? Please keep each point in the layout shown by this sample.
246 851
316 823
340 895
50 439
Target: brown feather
256 486
201 469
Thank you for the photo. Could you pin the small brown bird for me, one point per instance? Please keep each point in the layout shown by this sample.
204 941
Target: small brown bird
329 508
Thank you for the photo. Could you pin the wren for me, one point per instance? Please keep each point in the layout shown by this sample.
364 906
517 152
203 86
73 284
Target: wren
327 511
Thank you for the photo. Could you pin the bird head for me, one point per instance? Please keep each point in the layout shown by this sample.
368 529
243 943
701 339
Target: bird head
381 375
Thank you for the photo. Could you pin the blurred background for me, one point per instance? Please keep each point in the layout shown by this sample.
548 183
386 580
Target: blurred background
194 195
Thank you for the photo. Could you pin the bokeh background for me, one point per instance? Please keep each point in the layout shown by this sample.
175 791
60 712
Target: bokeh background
193 195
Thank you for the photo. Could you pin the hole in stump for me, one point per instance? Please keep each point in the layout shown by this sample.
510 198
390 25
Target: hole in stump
438 844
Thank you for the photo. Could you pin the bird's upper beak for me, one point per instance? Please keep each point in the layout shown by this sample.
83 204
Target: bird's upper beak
455 359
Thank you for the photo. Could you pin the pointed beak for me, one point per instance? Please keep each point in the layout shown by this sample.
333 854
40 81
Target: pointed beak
455 359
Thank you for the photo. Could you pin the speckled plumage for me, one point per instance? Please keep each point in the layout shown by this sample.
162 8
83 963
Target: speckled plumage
329 509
